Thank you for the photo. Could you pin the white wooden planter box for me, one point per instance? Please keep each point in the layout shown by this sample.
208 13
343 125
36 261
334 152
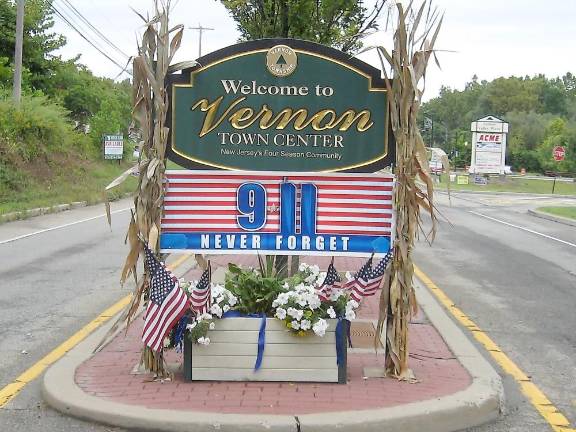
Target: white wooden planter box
233 349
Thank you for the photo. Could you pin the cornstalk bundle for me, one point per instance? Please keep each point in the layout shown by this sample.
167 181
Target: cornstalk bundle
158 45
408 61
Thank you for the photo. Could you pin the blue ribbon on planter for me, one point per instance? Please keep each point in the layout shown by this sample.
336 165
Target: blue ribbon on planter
179 333
340 343
261 333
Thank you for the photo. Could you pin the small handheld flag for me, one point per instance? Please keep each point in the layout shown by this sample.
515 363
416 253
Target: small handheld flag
166 305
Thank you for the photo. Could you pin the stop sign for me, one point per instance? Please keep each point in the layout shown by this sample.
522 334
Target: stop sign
559 152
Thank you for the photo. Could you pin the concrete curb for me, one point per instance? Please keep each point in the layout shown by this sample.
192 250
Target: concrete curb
553 218
479 403
25 214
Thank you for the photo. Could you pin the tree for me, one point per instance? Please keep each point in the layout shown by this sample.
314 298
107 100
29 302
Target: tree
338 23
39 43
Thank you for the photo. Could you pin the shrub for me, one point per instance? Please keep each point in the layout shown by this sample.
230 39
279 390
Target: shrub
38 127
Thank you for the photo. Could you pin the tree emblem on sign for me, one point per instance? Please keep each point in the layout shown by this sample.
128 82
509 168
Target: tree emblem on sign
281 60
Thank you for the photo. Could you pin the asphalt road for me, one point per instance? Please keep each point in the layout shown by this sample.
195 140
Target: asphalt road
52 283
517 285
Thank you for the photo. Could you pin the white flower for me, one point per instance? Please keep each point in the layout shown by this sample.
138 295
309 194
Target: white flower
336 294
320 327
220 299
331 312
203 340
225 308
314 302
305 324
352 304
350 314
295 325
295 313
191 326
302 267
212 326
315 269
232 300
281 300
204 316
166 342
301 300
281 313
216 310
310 278
349 276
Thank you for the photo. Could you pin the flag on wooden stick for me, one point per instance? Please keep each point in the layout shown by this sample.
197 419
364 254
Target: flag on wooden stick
166 304
368 279
201 295
331 281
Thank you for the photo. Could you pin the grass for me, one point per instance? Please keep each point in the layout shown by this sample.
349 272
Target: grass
513 184
70 183
567 212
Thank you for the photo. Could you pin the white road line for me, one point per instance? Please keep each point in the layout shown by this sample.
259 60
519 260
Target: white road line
60 226
524 229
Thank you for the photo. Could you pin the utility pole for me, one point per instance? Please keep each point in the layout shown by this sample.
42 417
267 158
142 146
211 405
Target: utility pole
17 91
200 30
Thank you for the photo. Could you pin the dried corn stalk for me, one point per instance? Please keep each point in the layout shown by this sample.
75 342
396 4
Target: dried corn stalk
158 46
407 67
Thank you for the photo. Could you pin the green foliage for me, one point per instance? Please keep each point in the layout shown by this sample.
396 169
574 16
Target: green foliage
39 127
39 43
559 133
338 23
255 292
528 104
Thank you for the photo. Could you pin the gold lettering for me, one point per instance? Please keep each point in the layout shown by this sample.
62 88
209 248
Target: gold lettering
319 116
211 110
242 115
348 118
245 117
283 118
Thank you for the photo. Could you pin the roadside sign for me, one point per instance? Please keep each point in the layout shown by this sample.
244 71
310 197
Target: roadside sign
245 107
113 146
480 180
462 180
559 153
488 146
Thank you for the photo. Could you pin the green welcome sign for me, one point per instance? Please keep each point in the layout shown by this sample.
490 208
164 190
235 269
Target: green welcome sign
279 105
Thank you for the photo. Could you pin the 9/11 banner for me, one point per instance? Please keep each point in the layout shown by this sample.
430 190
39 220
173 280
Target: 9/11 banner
279 213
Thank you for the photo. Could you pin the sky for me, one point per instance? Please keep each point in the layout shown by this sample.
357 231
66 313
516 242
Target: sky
488 38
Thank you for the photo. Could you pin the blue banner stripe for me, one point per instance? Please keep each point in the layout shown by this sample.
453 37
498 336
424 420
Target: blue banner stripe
269 242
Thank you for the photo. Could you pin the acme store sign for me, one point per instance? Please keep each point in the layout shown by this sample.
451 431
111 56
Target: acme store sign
279 105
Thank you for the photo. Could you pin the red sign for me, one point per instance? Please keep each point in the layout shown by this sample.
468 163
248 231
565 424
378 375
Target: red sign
559 152
490 138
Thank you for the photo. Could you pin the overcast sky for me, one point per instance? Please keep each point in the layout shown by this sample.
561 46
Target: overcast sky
489 38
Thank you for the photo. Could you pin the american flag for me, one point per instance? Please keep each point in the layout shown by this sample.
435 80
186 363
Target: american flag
205 201
368 279
201 294
331 281
167 302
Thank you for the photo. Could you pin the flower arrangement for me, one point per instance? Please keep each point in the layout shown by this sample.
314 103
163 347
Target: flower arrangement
295 300
301 307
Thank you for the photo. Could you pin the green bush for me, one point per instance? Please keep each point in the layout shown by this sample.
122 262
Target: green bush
39 127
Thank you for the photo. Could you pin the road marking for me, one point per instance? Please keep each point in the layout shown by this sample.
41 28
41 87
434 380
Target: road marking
11 390
524 229
551 414
60 226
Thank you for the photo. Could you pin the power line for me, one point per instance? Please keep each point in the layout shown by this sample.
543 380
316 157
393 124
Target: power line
80 27
123 68
76 12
